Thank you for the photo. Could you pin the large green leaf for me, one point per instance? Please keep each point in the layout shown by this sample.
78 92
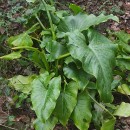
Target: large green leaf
45 92
12 56
97 58
48 125
82 112
108 124
82 22
22 83
80 76
123 110
20 40
66 102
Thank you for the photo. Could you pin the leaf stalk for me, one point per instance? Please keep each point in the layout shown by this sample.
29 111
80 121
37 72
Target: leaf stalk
50 20
102 106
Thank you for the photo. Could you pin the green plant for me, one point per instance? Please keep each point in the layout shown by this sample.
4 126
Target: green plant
76 64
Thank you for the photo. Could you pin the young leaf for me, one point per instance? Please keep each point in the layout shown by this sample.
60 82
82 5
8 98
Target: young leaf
48 125
66 103
94 59
83 22
22 83
82 112
45 92
20 40
108 124
123 110
12 56
78 75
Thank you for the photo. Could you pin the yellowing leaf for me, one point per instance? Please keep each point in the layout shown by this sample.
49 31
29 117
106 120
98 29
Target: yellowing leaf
22 83
123 110
31 1
12 56
124 89
20 40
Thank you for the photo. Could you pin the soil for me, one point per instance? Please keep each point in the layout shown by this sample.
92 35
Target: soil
121 8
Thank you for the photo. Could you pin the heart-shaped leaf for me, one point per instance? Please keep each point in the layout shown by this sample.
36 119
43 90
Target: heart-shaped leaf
45 92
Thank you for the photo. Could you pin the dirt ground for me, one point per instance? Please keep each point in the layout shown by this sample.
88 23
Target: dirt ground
120 8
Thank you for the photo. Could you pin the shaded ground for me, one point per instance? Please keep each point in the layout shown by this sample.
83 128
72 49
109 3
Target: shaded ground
23 116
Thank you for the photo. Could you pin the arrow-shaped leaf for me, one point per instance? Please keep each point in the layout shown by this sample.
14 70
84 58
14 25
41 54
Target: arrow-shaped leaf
97 58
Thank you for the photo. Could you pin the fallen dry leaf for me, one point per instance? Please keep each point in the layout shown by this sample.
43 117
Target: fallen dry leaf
127 6
3 115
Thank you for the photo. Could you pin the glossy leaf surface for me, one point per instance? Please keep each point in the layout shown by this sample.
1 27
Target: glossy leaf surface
94 58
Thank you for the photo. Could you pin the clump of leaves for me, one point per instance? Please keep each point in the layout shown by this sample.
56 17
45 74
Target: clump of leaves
76 68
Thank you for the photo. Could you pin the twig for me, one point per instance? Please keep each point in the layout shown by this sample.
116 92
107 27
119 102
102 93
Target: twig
8 127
